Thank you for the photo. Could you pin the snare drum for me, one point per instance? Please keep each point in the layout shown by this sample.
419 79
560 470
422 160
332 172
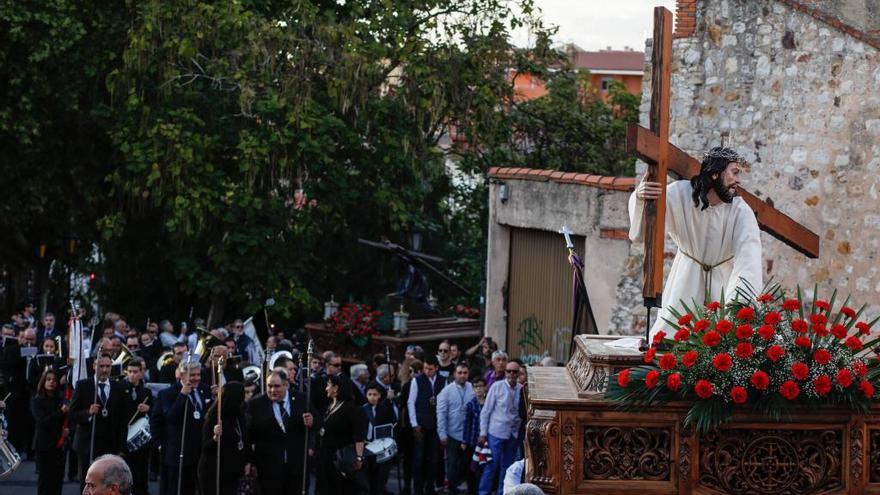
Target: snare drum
138 435
384 449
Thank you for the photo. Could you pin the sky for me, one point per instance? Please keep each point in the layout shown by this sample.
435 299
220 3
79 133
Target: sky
598 24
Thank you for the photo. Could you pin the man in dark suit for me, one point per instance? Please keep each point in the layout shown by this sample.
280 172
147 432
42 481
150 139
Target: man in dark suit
278 423
378 413
179 415
100 404
168 373
48 331
138 400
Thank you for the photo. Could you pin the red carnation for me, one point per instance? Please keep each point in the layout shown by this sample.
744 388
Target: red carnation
673 381
853 343
623 378
711 338
760 380
723 326
790 390
803 342
822 384
822 356
766 332
703 389
838 331
658 337
651 378
744 350
684 320
844 378
823 305
746 314
722 362
689 359
667 361
775 352
765 298
744 332
818 319
848 312
701 325
867 389
772 318
863 327
820 330
799 371
713 306
649 355
791 305
682 335
739 395
799 326
859 367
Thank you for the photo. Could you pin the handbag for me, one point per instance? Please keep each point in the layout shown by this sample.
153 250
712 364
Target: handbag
248 485
344 460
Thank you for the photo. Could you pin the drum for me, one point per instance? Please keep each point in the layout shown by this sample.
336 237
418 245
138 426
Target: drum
384 449
9 458
138 435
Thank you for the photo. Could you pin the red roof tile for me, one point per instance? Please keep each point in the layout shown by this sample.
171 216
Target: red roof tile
610 60
601 181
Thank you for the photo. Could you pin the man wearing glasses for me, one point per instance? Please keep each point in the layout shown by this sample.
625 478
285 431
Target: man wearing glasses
499 427
444 358
244 346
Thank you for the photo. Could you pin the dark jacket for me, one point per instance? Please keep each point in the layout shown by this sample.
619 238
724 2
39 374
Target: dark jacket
169 419
384 415
426 400
111 429
49 422
270 441
134 396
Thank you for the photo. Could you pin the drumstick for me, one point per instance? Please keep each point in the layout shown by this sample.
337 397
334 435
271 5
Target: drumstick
7 397
136 412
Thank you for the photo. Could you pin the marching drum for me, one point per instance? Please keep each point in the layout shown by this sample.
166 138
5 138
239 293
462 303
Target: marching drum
384 449
9 458
138 435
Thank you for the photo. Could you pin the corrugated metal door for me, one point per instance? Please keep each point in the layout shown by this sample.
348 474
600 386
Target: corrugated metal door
539 294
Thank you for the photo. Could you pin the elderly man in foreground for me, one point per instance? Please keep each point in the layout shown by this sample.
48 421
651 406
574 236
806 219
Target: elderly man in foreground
108 474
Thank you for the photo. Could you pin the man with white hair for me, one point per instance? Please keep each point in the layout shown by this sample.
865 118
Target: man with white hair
360 376
108 475
385 381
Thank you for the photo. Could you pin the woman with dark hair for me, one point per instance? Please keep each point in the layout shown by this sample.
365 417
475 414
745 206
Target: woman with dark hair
39 364
49 411
235 453
345 424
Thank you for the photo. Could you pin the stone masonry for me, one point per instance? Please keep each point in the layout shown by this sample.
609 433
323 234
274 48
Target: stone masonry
797 88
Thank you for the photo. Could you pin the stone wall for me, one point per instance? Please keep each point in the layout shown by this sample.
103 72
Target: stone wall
801 101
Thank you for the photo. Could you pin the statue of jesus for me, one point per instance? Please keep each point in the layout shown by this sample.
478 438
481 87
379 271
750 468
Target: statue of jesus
715 231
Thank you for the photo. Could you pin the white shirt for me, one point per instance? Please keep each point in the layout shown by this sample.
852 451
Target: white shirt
500 414
718 233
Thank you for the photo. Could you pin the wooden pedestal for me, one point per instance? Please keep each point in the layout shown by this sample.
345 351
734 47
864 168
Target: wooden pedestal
578 443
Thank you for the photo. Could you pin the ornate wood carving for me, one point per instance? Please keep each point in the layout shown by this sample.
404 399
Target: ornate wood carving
856 451
568 450
745 461
874 456
684 452
540 434
623 453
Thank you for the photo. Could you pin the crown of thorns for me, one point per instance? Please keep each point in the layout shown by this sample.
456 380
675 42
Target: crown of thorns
723 153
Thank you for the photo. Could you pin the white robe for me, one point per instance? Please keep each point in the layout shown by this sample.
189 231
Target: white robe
720 232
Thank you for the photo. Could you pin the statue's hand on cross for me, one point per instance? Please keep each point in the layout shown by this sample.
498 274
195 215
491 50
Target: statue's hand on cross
648 190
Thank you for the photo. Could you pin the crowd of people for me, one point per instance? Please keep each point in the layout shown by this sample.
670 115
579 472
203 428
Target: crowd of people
454 416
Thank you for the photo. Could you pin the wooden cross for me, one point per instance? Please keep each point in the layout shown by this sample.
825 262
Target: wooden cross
652 146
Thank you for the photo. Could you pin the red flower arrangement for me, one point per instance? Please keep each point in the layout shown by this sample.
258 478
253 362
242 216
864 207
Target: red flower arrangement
802 353
355 321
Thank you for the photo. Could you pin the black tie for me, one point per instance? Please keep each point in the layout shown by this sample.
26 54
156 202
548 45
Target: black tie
284 414
103 394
